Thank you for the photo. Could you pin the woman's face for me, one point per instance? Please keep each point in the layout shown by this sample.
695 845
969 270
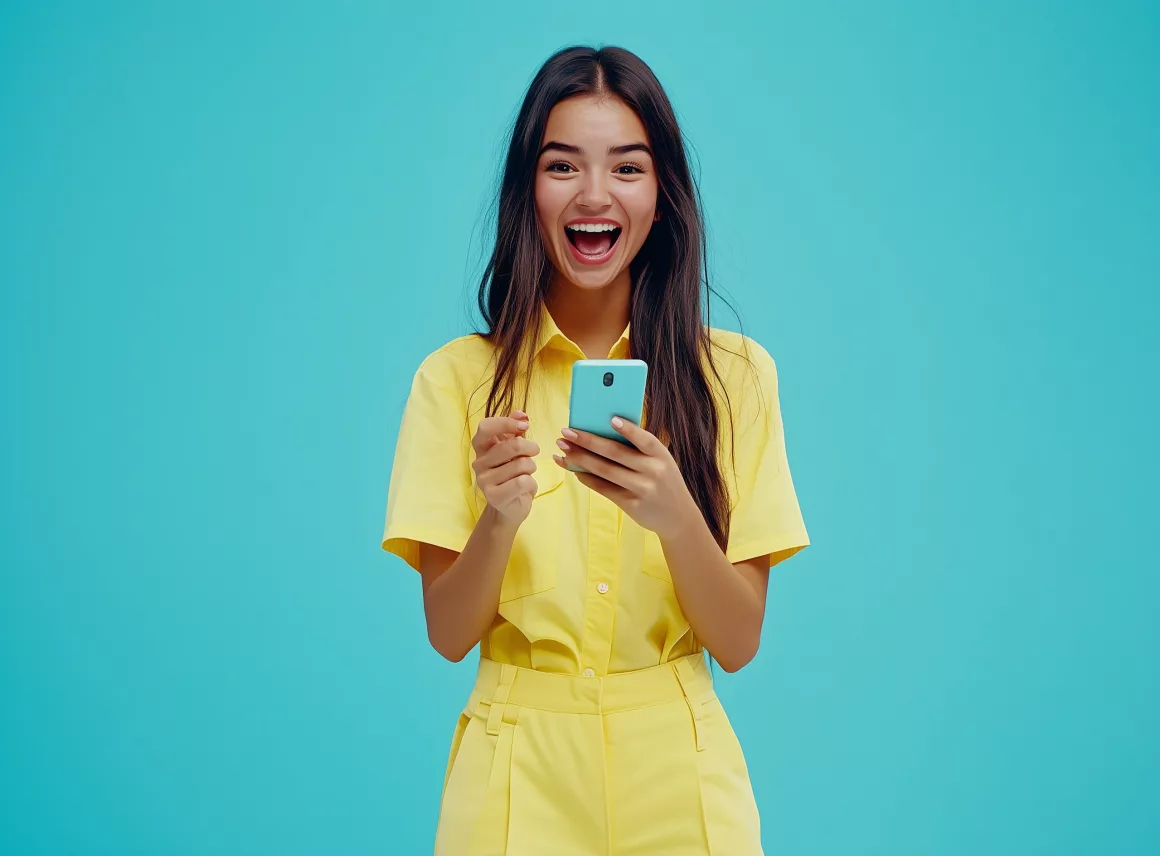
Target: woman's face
595 171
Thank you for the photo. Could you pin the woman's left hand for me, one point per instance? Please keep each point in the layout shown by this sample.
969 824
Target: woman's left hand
642 478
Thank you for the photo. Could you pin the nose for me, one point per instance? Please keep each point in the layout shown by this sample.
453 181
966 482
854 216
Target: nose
594 193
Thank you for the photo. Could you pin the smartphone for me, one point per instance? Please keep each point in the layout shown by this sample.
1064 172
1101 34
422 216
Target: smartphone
602 389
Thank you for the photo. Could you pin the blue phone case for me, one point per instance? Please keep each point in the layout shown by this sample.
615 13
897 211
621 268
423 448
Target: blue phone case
594 402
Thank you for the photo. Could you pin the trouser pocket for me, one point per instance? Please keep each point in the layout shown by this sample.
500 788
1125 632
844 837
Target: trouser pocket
732 823
473 818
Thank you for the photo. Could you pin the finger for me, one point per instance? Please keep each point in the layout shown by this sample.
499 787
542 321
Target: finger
613 450
605 488
509 490
501 437
598 465
641 439
519 416
492 428
507 450
515 468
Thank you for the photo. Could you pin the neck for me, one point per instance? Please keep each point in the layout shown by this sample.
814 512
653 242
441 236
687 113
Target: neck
593 318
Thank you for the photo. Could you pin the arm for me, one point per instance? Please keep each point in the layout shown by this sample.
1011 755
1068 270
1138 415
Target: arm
461 590
724 602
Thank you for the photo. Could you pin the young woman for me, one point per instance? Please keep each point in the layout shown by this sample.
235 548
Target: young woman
593 727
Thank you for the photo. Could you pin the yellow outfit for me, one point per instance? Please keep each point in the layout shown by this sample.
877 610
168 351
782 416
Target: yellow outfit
593 727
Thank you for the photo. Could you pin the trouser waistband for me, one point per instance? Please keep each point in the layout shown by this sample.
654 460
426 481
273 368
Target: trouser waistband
503 686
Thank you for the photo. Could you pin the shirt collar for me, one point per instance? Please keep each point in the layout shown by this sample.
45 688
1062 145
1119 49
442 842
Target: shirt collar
551 336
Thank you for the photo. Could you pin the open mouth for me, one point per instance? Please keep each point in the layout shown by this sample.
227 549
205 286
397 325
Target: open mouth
593 244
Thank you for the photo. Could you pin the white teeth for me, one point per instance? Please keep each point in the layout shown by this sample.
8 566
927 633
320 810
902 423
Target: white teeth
592 227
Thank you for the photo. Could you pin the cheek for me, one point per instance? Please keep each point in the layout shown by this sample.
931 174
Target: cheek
550 202
640 204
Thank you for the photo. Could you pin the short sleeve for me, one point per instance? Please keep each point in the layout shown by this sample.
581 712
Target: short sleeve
429 497
766 518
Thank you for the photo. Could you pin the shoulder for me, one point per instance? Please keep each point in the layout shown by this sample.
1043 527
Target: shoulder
459 365
748 381
741 361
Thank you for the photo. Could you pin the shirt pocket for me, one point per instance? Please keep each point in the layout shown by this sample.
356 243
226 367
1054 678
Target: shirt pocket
533 565
652 558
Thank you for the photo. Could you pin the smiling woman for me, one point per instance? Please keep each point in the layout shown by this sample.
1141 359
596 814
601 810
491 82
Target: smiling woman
578 170
596 592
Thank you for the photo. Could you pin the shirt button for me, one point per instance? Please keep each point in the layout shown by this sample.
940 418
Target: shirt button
602 588
588 673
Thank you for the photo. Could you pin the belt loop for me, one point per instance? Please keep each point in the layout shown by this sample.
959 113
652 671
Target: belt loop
684 672
507 677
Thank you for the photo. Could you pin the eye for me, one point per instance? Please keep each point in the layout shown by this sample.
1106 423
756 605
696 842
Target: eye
551 167
634 169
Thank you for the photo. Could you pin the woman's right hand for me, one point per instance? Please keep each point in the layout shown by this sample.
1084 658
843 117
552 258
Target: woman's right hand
503 465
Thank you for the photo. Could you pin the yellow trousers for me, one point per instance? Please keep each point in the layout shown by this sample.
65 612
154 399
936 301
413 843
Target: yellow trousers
637 763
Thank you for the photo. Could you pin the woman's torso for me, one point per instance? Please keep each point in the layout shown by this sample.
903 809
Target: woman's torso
587 591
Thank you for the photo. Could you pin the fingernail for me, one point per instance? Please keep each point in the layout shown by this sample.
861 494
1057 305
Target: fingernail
569 433
522 425
617 422
563 445
558 460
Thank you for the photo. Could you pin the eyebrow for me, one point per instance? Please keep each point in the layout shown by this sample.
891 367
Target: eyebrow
557 146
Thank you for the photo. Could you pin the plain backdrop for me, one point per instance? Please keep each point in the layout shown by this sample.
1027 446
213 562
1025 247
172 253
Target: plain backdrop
229 233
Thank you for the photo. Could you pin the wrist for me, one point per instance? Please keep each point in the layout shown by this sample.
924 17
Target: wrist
498 524
684 525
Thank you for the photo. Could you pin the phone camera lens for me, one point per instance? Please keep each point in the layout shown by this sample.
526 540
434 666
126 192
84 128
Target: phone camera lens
608 378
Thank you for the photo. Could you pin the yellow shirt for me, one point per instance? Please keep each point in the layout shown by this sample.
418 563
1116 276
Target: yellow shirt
586 590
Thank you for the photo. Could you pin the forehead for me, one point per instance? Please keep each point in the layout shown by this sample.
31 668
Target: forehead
594 123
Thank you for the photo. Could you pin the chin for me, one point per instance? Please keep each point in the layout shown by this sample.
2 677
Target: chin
588 279
591 282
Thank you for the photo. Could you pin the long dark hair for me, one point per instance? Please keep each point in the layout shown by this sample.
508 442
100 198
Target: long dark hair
669 309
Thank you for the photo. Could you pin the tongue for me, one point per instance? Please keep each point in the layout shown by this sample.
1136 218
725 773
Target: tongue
593 243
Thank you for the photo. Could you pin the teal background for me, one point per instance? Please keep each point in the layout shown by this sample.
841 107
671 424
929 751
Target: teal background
230 232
